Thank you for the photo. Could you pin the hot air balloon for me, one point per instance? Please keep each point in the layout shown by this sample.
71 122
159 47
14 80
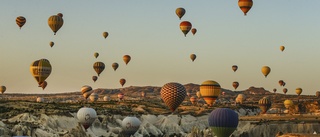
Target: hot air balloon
318 94
288 103
51 44
265 70
20 20
3 89
94 97
210 90
264 104
94 78
55 22
96 54
281 82
130 125
234 68
98 67
245 5
180 12
282 48
223 121
115 66
60 14
105 34
86 116
274 90
193 57
86 91
240 98
122 81
198 94
185 27
120 96
298 91
193 31
193 100
235 85
39 99
126 59
40 70
284 83
44 85
285 90
106 98
173 95
143 94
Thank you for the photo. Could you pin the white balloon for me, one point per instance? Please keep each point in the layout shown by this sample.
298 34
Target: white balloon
130 125
106 98
40 99
86 116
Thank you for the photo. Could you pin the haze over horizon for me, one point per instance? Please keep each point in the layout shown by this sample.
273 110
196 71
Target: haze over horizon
149 32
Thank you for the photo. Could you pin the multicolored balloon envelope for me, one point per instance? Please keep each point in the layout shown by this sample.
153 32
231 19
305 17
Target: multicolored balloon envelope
210 90
223 121
21 21
40 70
185 27
245 5
264 104
173 95
55 22
98 67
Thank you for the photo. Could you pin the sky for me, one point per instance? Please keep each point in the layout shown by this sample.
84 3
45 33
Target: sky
149 32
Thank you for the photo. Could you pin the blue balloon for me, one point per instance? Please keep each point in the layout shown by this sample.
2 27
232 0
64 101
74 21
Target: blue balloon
223 121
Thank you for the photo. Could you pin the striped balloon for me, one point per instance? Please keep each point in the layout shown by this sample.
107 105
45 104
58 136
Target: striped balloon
185 27
55 22
245 5
86 91
223 121
264 104
98 67
21 21
210 90
173 95
94 97
40 70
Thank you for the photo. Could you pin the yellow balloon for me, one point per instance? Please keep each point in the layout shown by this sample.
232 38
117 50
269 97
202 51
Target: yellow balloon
282 48
298 91
265 70
55 22
3 89
210 90
105 34
288 103
40 70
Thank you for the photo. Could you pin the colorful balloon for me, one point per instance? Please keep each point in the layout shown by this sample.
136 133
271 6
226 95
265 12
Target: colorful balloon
20 20
235 85
55 22
193 31
51 44
285 90
298 91
265 70
240 98
94 78
223 121
245 5
94 97
130 125
193 57
288 103
210 90
281 82
98 67
3 89
282 48
96 54
105 34
185 27
264 104
180 12
86 91
234 68
40 70
126 59
173 95
122 81
86 116
115 66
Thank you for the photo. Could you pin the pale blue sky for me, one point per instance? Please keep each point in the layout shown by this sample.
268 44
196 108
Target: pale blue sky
149 32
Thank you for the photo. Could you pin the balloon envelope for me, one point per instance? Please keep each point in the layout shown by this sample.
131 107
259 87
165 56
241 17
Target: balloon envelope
3 89
173 95
96 54
122 81
126 59
98 67
44 85
86 116
235 84
264 104
265 70
40 70
288 103
298 91
193 57
223 121
234 68
180 12
55 22
245 5
285 90
282 48
210 90
115 66
193 31
94 97
130 125
20 20
105 34
51 44
185 27
94 78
